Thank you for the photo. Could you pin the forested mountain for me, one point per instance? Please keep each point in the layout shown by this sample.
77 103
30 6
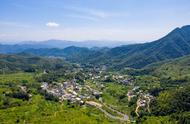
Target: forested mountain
172 94
160 70
94 62
173 45
172 69
175 69
73 54
28 63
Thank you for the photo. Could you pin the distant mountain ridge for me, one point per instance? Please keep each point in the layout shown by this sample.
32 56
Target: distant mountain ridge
61 44
173 45
19 48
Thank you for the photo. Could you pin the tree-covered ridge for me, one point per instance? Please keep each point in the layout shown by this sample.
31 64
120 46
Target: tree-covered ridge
168 82
175 44
157 93
174 69
29 63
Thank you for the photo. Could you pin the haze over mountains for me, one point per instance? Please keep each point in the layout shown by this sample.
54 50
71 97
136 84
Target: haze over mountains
53 43
94 61
173 45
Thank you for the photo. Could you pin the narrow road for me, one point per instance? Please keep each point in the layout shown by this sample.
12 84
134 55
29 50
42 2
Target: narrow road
99 106
124 118
149 100
136 110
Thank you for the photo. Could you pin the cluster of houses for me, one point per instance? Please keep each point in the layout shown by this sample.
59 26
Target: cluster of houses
123 79
71 91
143 103
25 90
133 93
143 99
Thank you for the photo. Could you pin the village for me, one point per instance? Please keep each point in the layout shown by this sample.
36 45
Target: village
71 91
84 94
143 99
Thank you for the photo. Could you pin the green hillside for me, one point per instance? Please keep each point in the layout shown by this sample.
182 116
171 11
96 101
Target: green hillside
168 82
28 63
145 83
175 44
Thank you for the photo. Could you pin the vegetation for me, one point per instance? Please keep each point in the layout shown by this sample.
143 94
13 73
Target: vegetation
17 107
175 44
171 90
100 86
29 63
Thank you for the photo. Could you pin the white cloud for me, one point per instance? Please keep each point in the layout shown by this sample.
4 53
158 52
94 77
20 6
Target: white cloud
52 24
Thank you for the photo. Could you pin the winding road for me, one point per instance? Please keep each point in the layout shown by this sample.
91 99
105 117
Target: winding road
123 118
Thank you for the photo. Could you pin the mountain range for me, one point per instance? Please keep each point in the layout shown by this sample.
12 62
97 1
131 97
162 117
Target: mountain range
175 44
28 63
61 44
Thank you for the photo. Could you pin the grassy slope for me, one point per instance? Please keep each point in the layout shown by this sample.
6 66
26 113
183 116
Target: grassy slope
39 110
29 63
177 70
174 76
42 111
16 77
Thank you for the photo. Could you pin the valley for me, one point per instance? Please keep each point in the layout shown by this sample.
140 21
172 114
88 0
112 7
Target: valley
102 85
124 96
94 62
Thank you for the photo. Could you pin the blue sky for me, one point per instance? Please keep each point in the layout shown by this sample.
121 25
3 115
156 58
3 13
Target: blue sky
123 20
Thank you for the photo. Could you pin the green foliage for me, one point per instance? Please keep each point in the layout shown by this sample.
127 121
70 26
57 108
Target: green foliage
14 63
48 96
147 82
175 44
173 101
80 77
167 81
17 78
156 120
41 108
116 95
42 111
20 95
184 118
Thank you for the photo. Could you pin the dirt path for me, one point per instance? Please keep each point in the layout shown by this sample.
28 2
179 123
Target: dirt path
148 104
137 108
